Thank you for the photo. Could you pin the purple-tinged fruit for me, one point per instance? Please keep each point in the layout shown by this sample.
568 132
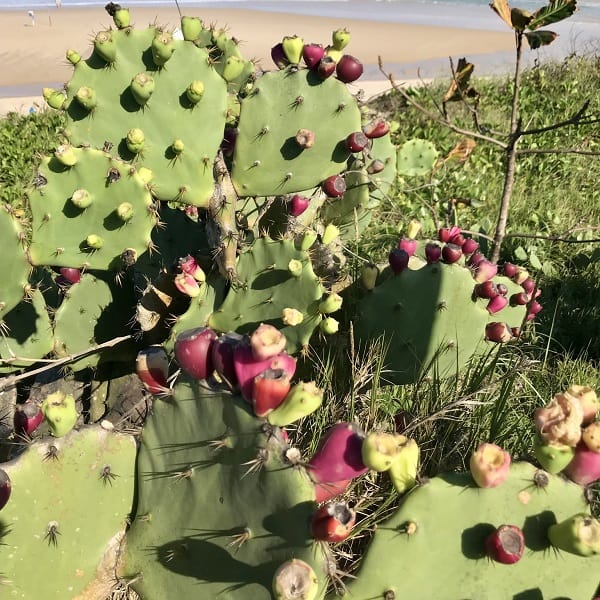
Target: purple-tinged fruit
71 274
505 545
266 342
487 290
519 299
446 234
222 351
187 285
451 253
312 55
189 265
5 488
332 522
409 245
193 352
484 270
376 129
279 57
27 418
326 67
398 260
433 252
357 142
509 270
152 367
334 186
298 204
502 289
528 285
496 304
489 465
498 332
469 246
584 468
349 68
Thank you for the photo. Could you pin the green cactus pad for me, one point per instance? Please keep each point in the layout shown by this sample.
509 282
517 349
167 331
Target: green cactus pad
94 312
167 115
267 159
416 158
443 554
86 489
94 237
264 286
14 271
197 500
28 334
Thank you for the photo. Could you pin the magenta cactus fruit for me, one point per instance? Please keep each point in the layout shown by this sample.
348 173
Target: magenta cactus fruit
451 253
152 367
70 274
295 580
528 285
409 245
502 289
278 56
357 141
332 522
269 390
496 304
302 400
469 246
519 299
509 270
489 465
326 67
498 332
487 290
193 352
506 544
298 204
376 129
484 270
190 266
398 260
446 234
433 252
187 285
312 55
305 138
266 342
5 488
27 418
334 186
475 259
579 534
584 468
222 351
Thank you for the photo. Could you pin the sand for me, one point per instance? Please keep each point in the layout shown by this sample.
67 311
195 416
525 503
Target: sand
34 56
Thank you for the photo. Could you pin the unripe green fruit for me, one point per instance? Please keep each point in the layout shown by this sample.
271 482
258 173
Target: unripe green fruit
292 48
195 91
125 211
379 451
329 326
306 240
135 140
191 27
340 38
122 18
331 233
60 413
234 66
81 198
295 267
553 457
94 242
579 535
142 87
177 146
86 96
302 400
73 56
105 46
331 304
54 98
162 48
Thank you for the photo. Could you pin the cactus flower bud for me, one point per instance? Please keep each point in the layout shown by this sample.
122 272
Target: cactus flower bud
135 140
94 242
162 48
73 56
195 91
125 211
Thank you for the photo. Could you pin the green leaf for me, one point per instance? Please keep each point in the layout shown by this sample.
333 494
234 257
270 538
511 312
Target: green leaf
520 253
534 261
556 11
536 39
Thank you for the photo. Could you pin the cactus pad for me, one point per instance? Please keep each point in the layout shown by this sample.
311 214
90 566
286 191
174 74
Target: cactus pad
416 158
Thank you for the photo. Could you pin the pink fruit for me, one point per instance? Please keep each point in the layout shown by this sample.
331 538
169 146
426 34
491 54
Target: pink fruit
509 270
398 260
189 266
469 246
458 239
505 545
528 285
27 418
267 341
332 522
496 304
326 67
327 491
584 469
534 308
376 129
298 204
305 138
475 259
451 253
445 235
312 55
520 299
5 488
484 270
487 289
187 285
222 356
193 352
278 56
433 252
489 465
334 186
498 332
70 274
348 68
502 289
152 367
269 390
408 245
357 141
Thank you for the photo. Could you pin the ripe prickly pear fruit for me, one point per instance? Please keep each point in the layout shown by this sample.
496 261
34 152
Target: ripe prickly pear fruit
487 290
81 198
86 96
326 67
298 204
528 285
579 534
292 48
142 88
222 351
65 154
73 56
295 580
398 260
312 55
278 56
195 91
189 265
489 465
509 270
376 129
496 304
375 166
368 276
54 98
506 544
162 48
340 38
302 400
379 450
588 400
305 138
403 470
484 270
445 235
584 469
292 316
553 457
334 186
502 289
469 246
94 242
5 488
269 391
498 332
191 27
60 413
348 68
451 253
193 352
332 522
105 46
187 285
152 367
409 245
70 274
329 326
357 142
338 458
234 65
27 418
520 299
135 140
266 342
331 304
433 252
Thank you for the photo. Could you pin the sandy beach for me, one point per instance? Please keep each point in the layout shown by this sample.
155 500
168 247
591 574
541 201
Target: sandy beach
34 56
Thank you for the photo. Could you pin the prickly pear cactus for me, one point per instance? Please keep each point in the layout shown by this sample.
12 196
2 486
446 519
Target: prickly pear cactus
434 545
96 213
219 508
66 515
416 157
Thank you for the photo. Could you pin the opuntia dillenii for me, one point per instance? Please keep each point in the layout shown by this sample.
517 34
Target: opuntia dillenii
502 289
553 457
496 304
334 186
487 290
446 234
376 129
302 400
519 299
528 285
278 56
484 270
509 270
469 246
326 67
193 352
451 253
330 233
295 580
312 55
222 351
189 265
489 465
357 141
379 450
331 304
584 468
579 534
71 274
332 522
329 326
506 544
340 38
298 204
498 332
433 252
152 367
5 488
409 245
269 390
27 418
187 285
60 413
403 470
398 260
267 341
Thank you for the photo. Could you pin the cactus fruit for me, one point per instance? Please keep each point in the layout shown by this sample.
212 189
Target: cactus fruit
579 534
193 351
489 465
60 413
5 488
506 544
295 580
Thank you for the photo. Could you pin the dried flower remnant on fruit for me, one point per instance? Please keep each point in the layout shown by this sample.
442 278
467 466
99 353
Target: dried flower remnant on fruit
559 422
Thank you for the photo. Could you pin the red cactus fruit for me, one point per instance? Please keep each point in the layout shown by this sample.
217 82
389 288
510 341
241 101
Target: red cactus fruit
433 252
475 259
502 289
520 299
496 304
451 253
312 55
498 332
357 141
487 289
458 239
376 129
534 308
506 544
348 68
5 488
193 351
408 245
584 469
446 234
298 204
152 367
509 270
484 270
70 274
27 418
326 67
398 260
222 356
528 285
267 341
334 186
332 522
278 56
269 391
469 246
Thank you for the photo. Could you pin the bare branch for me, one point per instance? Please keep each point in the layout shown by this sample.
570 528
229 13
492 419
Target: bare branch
521 151
578 119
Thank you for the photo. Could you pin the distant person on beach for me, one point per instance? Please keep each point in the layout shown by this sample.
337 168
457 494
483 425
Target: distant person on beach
31 15
58 3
